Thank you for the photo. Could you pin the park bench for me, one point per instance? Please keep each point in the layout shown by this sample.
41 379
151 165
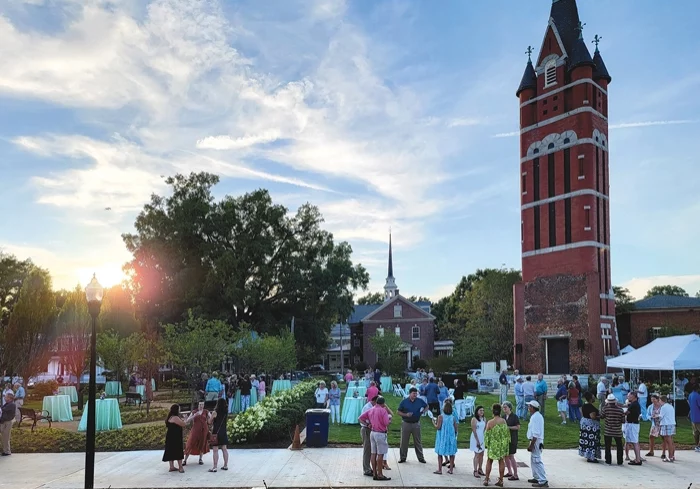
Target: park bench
28 413
134 398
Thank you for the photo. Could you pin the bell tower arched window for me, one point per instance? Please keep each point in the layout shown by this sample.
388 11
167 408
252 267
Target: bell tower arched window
550 73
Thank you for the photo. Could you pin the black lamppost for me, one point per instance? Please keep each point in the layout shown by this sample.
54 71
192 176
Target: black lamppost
93 293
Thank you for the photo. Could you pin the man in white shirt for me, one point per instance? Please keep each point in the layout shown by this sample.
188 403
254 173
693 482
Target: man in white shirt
365 432
535 434
642 395
602 390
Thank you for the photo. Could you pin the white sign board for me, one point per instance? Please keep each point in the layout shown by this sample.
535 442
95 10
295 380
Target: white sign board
488 368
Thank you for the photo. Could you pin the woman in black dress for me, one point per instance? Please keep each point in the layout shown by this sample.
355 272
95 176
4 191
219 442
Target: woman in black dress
173 439
219 417
589 435
513 423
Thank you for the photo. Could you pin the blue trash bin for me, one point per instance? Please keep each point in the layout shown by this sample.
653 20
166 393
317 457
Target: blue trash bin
317 421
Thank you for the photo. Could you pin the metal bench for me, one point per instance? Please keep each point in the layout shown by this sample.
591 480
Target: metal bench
28 413
133 398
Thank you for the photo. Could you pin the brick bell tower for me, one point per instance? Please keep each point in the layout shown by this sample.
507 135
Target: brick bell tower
564 307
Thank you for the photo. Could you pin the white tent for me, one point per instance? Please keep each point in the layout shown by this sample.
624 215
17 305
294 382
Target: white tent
627 349
672 353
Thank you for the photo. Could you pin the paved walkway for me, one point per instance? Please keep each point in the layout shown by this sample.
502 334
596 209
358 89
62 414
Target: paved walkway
326 467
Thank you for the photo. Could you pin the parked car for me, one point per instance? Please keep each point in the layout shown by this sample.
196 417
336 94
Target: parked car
316 368
474 373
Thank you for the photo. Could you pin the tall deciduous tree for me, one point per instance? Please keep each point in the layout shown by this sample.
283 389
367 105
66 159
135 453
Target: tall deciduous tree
371 298
113 352
241 259
390 350
117 312
73 329
624 302
32 326
666 290
12 275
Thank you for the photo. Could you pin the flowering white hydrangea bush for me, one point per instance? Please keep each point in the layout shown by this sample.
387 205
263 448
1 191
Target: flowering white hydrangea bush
247 425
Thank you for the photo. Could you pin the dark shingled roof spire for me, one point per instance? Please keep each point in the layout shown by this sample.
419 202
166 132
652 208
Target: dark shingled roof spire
600 72
529 77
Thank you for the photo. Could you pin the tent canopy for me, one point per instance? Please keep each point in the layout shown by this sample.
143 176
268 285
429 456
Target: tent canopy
627 349
672 353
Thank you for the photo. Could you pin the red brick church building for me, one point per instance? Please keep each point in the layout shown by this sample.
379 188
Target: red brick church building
564 307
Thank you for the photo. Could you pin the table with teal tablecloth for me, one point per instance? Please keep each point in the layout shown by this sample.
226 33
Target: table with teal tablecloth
58 407
113 388
351 410
69 390
281 385
108 415
361 392
234 406
141 389
386 385
153 385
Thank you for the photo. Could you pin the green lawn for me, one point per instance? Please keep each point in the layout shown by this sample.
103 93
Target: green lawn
556 434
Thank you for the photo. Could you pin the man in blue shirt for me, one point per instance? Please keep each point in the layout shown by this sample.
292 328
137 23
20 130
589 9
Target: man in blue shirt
541 392
213 388
410 411
694 402
432 393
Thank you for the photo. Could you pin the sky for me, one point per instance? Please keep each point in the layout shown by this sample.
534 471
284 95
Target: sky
385 114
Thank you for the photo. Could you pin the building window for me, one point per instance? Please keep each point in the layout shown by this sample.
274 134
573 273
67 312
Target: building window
654 333
581 169
552 225
567 170
522 231
567 221
524 183
587 218
397 311
550 174
415 333
380 331
550 71
356 342
397 331
536 226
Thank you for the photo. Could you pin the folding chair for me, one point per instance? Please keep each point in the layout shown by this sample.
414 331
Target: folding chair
469 405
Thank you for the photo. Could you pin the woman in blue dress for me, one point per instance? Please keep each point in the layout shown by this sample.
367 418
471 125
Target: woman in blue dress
446 437
618 390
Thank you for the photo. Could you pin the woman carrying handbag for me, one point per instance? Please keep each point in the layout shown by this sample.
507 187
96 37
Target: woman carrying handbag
218 437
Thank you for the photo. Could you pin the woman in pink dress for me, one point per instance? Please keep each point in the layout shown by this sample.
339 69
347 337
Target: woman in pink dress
198 441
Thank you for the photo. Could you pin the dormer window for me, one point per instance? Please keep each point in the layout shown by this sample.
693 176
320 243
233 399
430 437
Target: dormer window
550 73
397 310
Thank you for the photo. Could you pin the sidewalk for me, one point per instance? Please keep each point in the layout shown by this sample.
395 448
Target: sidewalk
326 467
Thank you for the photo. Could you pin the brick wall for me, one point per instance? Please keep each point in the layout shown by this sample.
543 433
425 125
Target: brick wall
426 343
682 320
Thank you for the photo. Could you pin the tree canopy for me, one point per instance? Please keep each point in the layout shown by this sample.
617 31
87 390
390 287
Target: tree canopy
389 348
75 327
239 259
12 275
666 290
371 298
624 302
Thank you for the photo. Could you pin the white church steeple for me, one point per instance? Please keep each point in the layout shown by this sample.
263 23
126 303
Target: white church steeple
390 288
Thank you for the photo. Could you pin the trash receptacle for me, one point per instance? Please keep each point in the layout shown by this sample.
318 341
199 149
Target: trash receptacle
317 427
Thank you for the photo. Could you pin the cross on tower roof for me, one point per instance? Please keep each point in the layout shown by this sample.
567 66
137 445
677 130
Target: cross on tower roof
596 40
529 53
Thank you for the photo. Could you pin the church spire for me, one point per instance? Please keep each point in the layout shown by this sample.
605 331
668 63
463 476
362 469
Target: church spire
390 288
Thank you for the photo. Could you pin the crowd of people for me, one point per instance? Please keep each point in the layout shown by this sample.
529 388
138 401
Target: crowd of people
225 386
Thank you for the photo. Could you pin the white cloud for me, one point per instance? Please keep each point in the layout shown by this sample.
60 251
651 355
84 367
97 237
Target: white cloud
227 142
506 134
628 125
639 286
464 121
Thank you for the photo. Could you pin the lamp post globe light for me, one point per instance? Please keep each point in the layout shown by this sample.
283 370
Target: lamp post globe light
93 293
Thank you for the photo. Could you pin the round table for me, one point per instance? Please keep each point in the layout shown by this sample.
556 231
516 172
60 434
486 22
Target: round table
141 389
113 388
351 410
69 390
153 385
108 415
234 405
58 407
386 385
361 392
281 385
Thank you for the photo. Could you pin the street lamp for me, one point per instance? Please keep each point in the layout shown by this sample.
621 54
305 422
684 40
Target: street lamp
93 293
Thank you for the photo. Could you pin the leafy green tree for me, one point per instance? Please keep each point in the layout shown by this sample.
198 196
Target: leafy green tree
113 353
74 329
279 353
241 259
198 345
698 294
117 312
418 298
390 350
32 327
146 352
371 298
12 275
624 302
666 290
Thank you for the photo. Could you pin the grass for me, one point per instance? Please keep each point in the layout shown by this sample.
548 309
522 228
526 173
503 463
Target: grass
556 435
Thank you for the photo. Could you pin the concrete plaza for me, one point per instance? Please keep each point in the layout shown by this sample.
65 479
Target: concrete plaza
326 467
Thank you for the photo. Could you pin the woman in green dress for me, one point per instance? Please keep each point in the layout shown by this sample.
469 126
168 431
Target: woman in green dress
497 440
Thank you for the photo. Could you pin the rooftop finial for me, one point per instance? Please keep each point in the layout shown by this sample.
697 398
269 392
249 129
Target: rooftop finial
579 28
529 54
596 40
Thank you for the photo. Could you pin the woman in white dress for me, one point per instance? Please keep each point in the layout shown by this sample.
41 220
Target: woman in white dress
476 441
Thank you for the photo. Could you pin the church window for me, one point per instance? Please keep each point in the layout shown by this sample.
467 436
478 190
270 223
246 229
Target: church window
552 225
536 226
397 331
536 150
397 311
567 140
587 218
551 146
550 73
380 331
581 171
415 333
524 183
567 221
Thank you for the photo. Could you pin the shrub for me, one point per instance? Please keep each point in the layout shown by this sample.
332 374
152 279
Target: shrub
419 363
55 440
360 367
43 389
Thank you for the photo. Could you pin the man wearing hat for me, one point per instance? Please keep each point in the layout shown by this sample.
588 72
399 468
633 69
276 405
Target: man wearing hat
410 411
520 410
535 434
614 416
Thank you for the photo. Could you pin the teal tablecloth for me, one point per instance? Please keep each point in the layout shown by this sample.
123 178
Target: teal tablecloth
141 389
153 385
113 388
58 407
361 392
69 390
386 385
352 408
108 416
234 407
281 385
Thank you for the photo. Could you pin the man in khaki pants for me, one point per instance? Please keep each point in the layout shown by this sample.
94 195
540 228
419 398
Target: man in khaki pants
6 420
410 411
